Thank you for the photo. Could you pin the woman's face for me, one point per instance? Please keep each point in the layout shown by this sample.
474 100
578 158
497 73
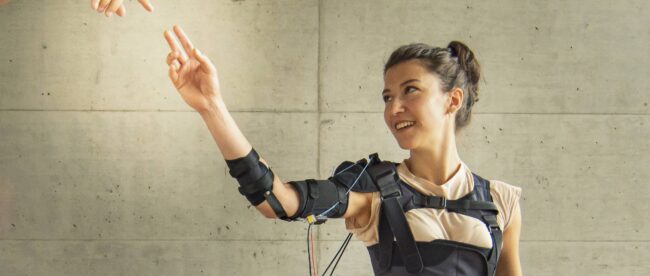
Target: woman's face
416 110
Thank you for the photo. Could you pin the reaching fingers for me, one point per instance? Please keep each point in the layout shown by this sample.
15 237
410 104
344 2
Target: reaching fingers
113 7
103 4
147 5
206 64
173 44
185 41
94 4
121 11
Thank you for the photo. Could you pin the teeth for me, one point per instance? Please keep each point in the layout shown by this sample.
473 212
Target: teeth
401 125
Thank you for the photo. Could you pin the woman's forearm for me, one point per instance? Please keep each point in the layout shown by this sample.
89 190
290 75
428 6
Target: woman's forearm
233 144
231 141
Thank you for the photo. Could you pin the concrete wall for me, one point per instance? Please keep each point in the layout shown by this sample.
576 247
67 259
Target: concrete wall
105 171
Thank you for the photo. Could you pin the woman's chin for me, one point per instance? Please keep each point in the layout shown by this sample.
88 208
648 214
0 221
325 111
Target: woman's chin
405 145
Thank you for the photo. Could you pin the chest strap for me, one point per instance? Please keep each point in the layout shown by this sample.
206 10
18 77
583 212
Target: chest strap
393 223
437 202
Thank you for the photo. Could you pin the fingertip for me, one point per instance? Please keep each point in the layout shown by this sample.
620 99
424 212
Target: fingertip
146 4
167 34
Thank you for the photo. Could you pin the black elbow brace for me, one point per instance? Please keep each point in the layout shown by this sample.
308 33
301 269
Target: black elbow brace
318 196
255 181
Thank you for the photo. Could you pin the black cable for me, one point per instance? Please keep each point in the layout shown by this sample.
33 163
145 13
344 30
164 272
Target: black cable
347 241
338 254
308 248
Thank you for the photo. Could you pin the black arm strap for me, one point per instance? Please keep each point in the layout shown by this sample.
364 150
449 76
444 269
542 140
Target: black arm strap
255 181
275 205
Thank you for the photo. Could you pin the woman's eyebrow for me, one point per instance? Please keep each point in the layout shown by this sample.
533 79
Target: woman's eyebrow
403 83
409 81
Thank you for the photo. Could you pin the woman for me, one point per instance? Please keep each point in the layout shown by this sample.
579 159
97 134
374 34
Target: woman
428 215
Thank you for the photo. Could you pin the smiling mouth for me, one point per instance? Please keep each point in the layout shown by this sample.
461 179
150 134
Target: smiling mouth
403 125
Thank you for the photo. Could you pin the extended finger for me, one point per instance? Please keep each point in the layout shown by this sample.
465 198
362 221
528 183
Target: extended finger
121 11
94 4
147 5
112 7
103 4
206 65
185 41
173 44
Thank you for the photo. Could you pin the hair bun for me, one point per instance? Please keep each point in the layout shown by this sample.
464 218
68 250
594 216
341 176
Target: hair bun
466 59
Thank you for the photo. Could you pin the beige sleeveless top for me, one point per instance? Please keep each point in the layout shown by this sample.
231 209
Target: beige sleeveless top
433 224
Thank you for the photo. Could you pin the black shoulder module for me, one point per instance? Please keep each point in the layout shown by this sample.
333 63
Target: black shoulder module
353 175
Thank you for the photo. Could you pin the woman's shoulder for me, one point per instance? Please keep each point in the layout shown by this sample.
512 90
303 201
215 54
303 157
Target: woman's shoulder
506 197
504 193
501 187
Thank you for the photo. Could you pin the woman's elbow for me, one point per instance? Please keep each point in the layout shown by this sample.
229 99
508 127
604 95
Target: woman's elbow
265 209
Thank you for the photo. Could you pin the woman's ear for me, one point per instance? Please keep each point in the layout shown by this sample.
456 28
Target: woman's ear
455 99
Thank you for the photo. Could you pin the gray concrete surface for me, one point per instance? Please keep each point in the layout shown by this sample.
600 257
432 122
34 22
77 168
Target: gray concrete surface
105 171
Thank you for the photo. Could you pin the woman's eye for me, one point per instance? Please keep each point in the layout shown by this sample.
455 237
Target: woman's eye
386 98
411 89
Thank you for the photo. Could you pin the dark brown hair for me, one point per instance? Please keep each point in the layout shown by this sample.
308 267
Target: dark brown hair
455 65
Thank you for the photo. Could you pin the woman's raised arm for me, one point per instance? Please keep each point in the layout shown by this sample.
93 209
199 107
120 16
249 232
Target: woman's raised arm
195 78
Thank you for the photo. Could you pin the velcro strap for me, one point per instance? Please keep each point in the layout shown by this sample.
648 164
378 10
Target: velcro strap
255 199
263 184
241 165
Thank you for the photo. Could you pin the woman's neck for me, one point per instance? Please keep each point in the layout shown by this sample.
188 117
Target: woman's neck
437 165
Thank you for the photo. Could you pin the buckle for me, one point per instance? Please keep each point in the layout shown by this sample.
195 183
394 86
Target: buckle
437 202
387 186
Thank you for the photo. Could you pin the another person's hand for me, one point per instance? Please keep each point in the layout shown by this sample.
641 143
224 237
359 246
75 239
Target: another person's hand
191 72
108 7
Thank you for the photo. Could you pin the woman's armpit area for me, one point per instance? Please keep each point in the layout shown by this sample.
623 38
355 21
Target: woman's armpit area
364 223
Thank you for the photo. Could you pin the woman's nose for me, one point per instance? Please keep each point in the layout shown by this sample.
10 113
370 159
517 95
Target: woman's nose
396 107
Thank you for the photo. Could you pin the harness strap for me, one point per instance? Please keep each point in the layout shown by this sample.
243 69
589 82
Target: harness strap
437 202
385 242
385 177
490 220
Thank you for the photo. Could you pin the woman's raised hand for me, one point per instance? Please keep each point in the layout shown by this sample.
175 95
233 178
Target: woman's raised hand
191 72
108 7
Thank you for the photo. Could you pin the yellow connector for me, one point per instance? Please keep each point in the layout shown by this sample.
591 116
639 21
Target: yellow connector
313 219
